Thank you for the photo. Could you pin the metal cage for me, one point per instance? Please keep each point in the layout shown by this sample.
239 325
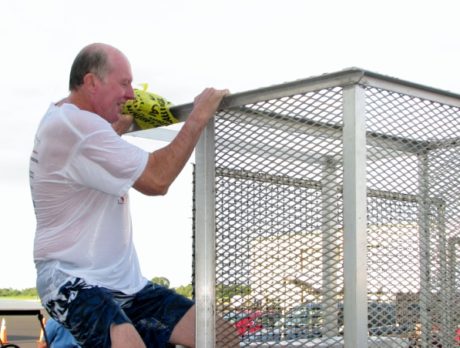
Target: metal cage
327 215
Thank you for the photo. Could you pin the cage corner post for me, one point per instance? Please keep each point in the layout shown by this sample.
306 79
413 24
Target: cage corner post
355 219
205 239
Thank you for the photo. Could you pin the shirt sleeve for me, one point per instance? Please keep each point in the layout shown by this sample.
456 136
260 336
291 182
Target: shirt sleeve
106 162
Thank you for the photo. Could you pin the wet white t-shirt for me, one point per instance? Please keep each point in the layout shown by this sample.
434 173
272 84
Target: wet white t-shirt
80 174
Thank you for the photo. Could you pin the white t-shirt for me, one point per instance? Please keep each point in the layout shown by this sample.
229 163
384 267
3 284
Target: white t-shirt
80 174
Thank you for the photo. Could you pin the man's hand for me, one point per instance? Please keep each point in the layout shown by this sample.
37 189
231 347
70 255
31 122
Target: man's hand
207 103
123 124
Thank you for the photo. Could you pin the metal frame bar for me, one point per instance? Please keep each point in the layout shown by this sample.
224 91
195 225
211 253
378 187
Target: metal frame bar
355 219
205 259
424 239
446 314
343 78
327 130
330 246
452 244
315 184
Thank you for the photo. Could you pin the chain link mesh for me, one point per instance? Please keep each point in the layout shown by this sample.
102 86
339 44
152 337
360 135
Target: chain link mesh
279 220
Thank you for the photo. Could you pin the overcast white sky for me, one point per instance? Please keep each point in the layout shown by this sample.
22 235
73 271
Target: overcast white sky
179 47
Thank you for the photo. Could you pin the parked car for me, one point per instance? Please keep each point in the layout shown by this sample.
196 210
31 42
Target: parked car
382 320
306 321
266 331
250 323
235 316
303 321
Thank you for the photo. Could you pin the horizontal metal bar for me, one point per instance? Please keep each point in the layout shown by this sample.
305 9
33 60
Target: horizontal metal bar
410 88
314 184
266 178
444 144
305 126
337 79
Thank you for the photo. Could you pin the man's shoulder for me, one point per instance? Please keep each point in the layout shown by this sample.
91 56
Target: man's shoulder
83 121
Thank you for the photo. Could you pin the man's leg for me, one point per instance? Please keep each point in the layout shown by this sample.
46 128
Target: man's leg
93 317
184 332
125 335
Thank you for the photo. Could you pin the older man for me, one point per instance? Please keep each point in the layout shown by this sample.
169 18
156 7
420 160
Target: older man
88 274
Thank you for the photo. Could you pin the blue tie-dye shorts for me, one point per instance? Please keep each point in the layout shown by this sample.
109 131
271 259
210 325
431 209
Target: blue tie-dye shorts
89 311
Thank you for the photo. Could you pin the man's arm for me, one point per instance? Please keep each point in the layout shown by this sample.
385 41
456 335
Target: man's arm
165 164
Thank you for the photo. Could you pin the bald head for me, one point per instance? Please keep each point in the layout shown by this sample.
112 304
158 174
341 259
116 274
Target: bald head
100 81
94 58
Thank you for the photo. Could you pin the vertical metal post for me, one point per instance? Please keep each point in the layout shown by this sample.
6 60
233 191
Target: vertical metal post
444 291
355 220
453 245
424 245
330 247
205 239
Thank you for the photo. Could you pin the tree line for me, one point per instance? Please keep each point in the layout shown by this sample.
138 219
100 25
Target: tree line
223 292
185 290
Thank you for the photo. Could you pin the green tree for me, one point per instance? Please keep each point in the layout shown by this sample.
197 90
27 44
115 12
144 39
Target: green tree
185 290
224 292
161 281
27 293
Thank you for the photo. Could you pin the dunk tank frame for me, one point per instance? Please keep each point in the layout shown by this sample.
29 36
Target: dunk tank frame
338 192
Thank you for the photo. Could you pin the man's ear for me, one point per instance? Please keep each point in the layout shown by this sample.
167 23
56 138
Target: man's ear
90 81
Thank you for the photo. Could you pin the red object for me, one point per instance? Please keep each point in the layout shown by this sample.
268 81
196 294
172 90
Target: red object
457 335
248 324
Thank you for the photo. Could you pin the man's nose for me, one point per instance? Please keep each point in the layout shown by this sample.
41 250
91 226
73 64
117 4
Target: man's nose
130 93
